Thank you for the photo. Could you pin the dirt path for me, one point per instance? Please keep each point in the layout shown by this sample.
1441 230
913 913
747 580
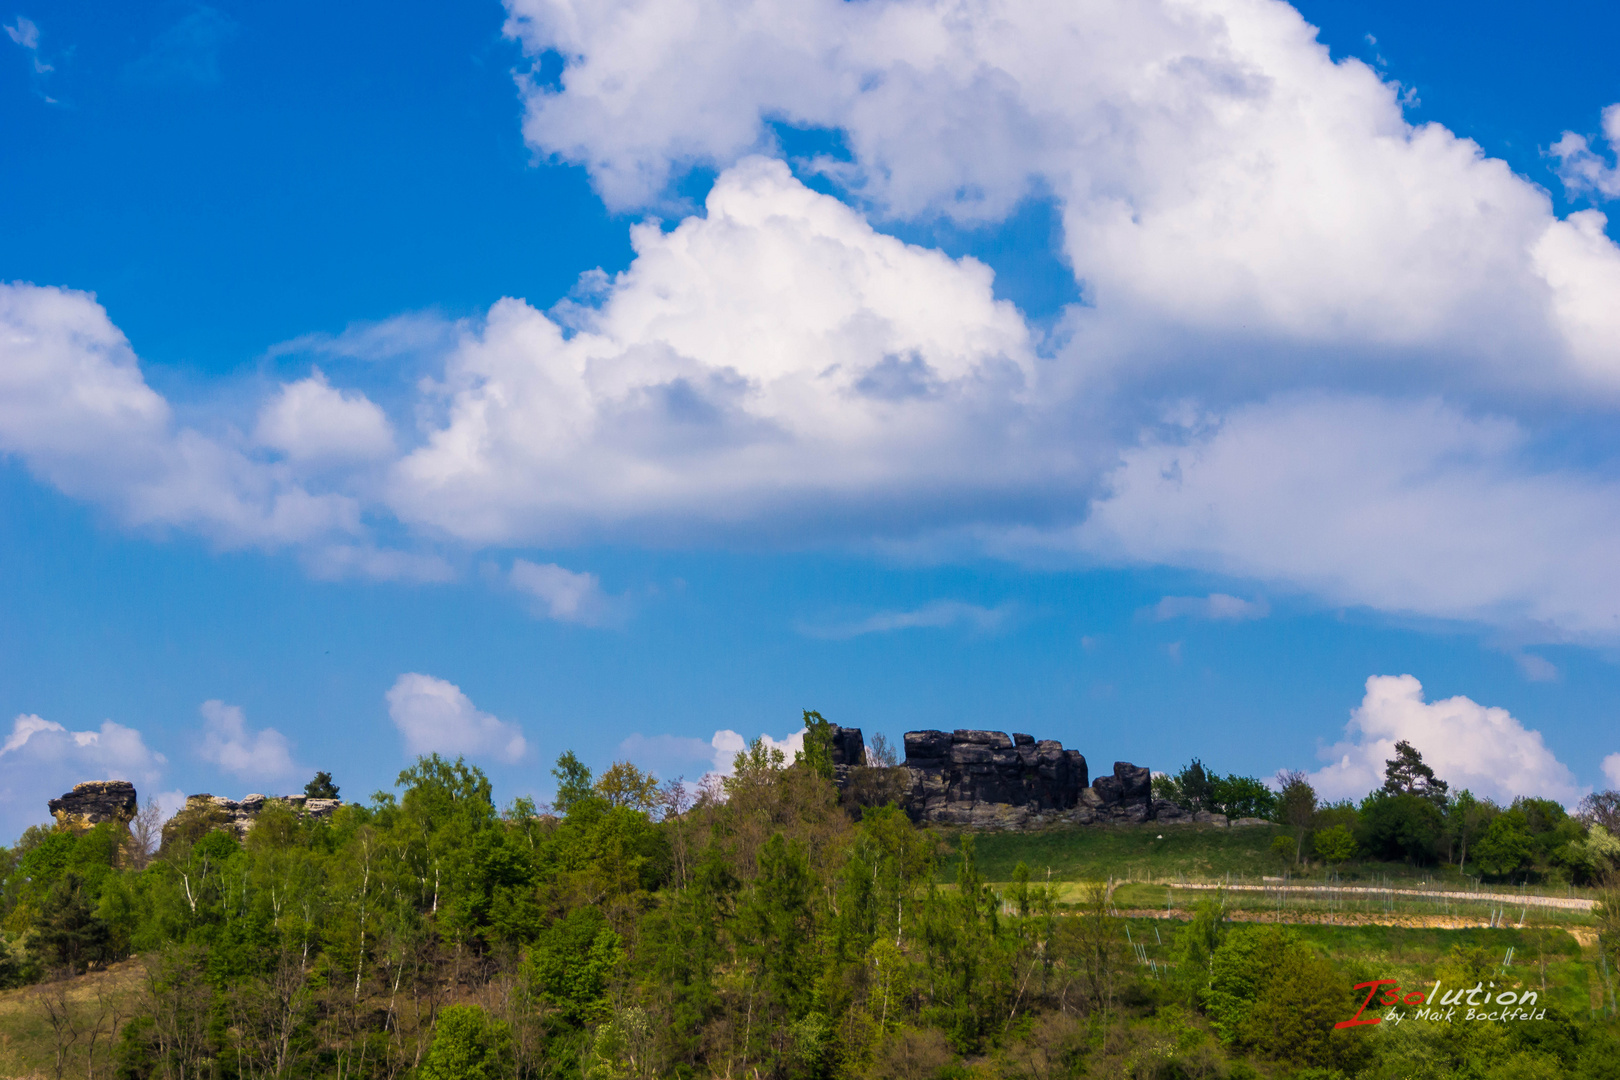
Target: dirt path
1347 918
1567 903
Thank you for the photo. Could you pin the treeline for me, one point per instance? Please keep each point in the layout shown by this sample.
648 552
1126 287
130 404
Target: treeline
1416 818
762 926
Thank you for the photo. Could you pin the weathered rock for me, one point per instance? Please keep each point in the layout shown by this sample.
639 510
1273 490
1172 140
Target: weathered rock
93 802
848 747
1250 821
205 813
1204 817
983 779
1166 811
1135 781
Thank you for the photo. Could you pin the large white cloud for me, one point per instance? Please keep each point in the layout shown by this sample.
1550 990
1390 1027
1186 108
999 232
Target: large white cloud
1400 507
435 717
1260 234
228 742
40 759
1468 745
775 356
75 408
1219 174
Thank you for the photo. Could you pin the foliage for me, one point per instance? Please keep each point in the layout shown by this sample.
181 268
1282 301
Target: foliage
467 1045
321 787
1399 826
1196 789
1296 806
766 927
1406 774
1335 845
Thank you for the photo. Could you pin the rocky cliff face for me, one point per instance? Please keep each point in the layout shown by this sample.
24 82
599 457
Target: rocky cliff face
985 779
848 752
93 802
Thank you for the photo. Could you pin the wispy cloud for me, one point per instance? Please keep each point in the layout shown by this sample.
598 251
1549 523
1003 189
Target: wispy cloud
939 615
1216 606
188 51
1582 169
565 595
25 33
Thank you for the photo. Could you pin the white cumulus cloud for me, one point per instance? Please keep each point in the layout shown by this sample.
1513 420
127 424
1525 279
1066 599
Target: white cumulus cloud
435 717
668 755
75 408
1611 770
310 420
1583 170
1218 173
1409 507
228 742
1468 745
727 744
562 594
772 358
40 759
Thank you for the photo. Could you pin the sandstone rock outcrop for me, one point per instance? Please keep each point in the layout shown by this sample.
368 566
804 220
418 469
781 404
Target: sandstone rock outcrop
848 752
984 779
204 813
987 780
93 802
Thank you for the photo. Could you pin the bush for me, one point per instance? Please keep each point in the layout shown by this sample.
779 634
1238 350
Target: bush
1403 826
468 1045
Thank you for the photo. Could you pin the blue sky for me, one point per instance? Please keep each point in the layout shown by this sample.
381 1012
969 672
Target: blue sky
1215 376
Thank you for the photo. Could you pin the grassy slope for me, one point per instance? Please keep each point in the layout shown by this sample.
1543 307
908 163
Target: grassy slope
27 1043
1191 853
1548 961
1074 854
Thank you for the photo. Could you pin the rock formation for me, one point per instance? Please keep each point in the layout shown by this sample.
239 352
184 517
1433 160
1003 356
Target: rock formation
93 802
848 752
204 813
986 780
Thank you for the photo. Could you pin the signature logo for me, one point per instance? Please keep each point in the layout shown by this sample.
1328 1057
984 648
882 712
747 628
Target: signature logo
1480 1003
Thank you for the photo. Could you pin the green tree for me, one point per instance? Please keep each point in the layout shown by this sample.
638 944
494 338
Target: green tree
1335 845
71 935
1243 797
625 785
1405 826
321 787
1507 847
1406 774
1196 788
573 782
572 964
1296 806
817 755
1466 817
468 1045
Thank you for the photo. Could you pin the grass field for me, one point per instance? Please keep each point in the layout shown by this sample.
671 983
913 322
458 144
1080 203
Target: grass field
1549 961
1182 853
28 1043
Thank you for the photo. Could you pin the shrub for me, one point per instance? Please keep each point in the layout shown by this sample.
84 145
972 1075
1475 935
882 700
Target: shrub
468 1045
